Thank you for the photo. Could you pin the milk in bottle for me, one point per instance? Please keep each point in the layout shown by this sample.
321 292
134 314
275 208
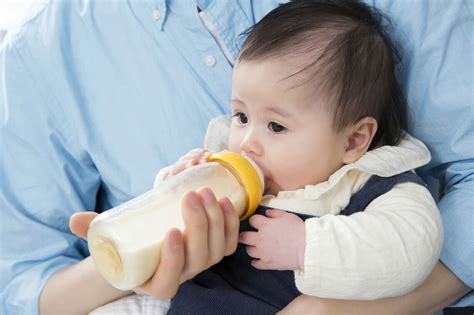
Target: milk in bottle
125 241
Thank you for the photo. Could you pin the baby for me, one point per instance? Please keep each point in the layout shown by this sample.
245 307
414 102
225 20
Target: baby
316 105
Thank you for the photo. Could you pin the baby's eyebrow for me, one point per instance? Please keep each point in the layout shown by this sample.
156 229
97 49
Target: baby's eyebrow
279 111
236 100
237 104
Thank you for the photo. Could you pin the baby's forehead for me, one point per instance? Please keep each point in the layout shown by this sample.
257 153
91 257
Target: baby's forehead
294 78
294 68
303 76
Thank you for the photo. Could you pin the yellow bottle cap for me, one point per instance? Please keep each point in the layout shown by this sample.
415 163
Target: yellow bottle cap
248 175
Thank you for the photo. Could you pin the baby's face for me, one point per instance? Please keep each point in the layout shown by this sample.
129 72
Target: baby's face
284 128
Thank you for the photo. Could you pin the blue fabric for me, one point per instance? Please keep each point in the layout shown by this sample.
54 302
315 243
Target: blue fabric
98 96
438 79
233 286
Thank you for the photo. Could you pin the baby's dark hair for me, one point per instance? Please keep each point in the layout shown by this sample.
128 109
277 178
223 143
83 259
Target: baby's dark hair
348 42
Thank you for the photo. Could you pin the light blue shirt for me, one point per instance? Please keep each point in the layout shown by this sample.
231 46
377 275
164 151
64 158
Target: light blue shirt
97 96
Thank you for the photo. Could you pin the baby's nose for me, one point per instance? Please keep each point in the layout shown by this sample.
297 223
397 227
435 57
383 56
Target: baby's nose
251 144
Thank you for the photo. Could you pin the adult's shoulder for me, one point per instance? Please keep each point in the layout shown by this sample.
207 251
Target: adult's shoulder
59 27
40 23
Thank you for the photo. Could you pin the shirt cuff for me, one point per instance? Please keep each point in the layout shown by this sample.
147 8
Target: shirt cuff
161 176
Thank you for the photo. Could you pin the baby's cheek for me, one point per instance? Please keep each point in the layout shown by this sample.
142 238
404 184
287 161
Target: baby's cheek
234 140
234 148
285 181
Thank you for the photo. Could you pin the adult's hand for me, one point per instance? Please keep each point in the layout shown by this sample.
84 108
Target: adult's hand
211 232
438 291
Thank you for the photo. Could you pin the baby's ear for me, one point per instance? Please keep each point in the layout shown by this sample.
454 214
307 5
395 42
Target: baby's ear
358 139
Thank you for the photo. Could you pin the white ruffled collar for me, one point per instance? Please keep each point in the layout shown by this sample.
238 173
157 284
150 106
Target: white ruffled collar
385 161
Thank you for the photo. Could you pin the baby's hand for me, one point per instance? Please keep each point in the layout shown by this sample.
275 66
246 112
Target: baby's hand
193 157
279 242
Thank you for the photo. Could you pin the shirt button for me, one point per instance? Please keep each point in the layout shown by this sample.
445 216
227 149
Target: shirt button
210 61
156 14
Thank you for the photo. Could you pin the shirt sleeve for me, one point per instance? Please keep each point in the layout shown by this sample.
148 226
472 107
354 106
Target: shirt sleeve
45 179
387 250
216 139
457 212
217 134
162 175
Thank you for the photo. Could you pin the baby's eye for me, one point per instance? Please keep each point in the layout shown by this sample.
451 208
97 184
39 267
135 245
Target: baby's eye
241 118
275 127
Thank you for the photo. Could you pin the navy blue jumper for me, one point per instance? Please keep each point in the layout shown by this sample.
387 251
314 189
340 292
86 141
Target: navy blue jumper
233 286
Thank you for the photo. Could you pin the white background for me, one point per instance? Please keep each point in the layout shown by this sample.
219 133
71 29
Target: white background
13 12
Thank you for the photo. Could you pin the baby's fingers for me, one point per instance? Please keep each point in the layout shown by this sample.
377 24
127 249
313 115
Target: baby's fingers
275 213
253 252
248 238
178 167
193 157
192 153
257 221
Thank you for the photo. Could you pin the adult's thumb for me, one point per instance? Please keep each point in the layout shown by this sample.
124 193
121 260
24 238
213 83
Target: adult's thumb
80 221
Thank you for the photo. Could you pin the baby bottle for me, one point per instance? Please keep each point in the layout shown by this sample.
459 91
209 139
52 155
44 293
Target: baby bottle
125 242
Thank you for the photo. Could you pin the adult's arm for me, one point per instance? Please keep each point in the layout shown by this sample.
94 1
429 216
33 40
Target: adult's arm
46 177
439 290
211 232
77 289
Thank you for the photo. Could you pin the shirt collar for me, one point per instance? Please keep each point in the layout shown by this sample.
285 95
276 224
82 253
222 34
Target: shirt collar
230 21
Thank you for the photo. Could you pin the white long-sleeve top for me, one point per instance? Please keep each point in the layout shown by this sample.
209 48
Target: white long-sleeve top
386 250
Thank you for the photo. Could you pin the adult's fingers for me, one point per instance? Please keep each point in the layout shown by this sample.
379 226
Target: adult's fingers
167 278
231 226
195 235
216 228
80 221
